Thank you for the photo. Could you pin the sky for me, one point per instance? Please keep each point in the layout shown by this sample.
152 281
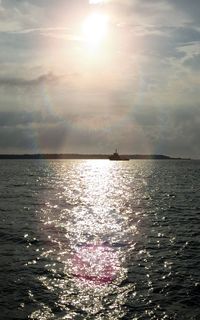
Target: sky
81 76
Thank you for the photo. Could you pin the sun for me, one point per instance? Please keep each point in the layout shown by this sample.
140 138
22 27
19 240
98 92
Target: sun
95 29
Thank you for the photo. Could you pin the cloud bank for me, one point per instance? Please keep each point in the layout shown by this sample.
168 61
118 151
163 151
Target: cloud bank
141 92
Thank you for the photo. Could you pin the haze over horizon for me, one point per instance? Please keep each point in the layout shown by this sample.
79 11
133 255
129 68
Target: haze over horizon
81 76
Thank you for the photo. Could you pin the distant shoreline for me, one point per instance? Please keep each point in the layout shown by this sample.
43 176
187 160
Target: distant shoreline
86 156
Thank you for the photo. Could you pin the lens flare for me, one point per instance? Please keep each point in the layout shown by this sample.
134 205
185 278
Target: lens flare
95 263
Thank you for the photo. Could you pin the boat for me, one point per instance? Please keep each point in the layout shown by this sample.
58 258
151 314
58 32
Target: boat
116 157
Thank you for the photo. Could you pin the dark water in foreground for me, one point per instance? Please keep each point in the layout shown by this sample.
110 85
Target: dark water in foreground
99 240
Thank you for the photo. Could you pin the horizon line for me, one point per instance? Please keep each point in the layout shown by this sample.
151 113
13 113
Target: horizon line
101 155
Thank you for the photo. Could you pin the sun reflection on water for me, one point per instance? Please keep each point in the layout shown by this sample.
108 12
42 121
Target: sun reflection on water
86 228
94 260
95 263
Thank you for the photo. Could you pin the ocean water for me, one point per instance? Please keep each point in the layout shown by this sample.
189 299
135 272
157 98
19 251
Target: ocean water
95 239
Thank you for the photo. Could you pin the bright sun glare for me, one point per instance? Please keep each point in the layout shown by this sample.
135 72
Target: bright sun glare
95 29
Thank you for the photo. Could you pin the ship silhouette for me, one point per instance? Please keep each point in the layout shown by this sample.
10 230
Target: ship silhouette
116 157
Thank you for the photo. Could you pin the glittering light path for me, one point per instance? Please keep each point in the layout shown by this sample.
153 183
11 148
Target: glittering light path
97 263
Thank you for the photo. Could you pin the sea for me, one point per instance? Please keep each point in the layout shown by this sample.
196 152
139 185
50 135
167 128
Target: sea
99 239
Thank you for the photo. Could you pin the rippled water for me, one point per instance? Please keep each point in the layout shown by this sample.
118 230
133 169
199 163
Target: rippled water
99 240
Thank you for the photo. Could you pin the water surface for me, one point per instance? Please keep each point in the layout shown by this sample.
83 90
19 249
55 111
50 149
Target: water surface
94 239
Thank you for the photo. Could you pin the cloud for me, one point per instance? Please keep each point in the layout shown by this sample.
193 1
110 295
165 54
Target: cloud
149 129
25 118
32 131
39 30
190 9
193 62
172 130
42 132
16 140
19 15
21 82
141 91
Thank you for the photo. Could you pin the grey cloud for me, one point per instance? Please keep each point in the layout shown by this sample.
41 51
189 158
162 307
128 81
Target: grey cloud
171 131
183 141
50 137
149 37
168 42
162 46
19 14
27 139
152 8
174 131
16 139
146 115
191 8
193 62
186 34
22 118
27 131
21 82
